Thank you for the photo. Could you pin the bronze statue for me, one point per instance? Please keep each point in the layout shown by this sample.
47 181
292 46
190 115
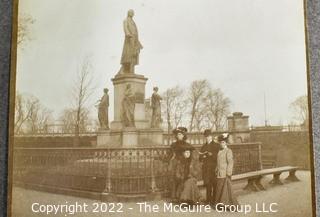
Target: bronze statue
103 110
128 106
132 45
156 109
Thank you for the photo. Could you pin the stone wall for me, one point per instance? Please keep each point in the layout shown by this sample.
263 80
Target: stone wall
53 141
286 148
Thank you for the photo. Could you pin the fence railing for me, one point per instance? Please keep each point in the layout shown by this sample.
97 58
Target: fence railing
111 170
194 138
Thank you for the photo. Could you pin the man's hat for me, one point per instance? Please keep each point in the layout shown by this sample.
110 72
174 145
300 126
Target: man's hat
207 132
223 137
182 130
105 90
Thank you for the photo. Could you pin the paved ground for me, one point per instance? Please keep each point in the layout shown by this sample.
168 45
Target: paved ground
293 199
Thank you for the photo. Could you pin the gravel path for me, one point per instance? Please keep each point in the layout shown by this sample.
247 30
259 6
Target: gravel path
293 199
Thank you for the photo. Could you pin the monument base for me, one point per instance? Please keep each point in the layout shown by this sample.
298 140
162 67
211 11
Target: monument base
108 138
137 85
140 124
130 137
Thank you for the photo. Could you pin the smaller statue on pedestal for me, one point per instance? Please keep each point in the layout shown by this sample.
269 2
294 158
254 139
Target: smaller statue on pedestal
156 109
103 110
128 106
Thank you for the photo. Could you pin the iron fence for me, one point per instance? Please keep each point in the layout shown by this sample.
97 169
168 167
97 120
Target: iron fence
112 170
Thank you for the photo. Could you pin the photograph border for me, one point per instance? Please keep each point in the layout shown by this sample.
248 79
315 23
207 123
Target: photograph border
312 31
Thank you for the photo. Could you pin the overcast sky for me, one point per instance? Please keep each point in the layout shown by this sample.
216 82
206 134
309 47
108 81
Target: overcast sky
245 47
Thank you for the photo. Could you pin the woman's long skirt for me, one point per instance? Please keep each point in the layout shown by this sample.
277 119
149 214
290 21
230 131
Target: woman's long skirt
224 193
190 191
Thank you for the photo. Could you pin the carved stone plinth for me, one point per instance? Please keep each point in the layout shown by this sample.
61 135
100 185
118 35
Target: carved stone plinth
129 137
137 83
108 138
238 126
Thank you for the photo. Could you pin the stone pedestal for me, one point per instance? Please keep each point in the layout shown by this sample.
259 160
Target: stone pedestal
130 137
238 126
141 134
137 83
238 122
108 138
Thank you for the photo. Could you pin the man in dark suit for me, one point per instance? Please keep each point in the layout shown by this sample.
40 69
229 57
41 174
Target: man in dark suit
208 156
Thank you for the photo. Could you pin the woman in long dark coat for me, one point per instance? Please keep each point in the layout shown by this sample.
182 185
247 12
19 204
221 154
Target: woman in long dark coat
184 169
224 193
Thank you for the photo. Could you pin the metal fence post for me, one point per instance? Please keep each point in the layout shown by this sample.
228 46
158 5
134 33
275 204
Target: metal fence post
153 178
108 183
260 158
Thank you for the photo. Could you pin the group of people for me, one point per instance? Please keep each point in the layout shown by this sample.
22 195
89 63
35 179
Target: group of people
217 165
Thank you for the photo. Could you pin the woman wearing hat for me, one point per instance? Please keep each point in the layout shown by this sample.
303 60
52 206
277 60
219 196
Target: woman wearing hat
184 171
224 194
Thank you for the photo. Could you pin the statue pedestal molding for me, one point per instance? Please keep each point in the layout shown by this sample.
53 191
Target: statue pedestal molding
130 137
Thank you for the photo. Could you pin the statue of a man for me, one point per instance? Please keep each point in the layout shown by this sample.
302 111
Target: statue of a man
103 110
156 109
128 106
132 45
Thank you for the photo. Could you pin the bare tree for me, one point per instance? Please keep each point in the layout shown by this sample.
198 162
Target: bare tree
202 107
24 23
301 110
22 113
217 108
167 100
30 115
180 105
69 118
200 115
175 105
198 90
81 92
39 119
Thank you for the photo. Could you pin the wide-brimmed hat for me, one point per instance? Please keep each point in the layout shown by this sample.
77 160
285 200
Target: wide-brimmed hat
207 132
182 130
223 137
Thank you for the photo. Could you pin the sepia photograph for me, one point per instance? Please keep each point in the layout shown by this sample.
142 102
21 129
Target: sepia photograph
161 108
